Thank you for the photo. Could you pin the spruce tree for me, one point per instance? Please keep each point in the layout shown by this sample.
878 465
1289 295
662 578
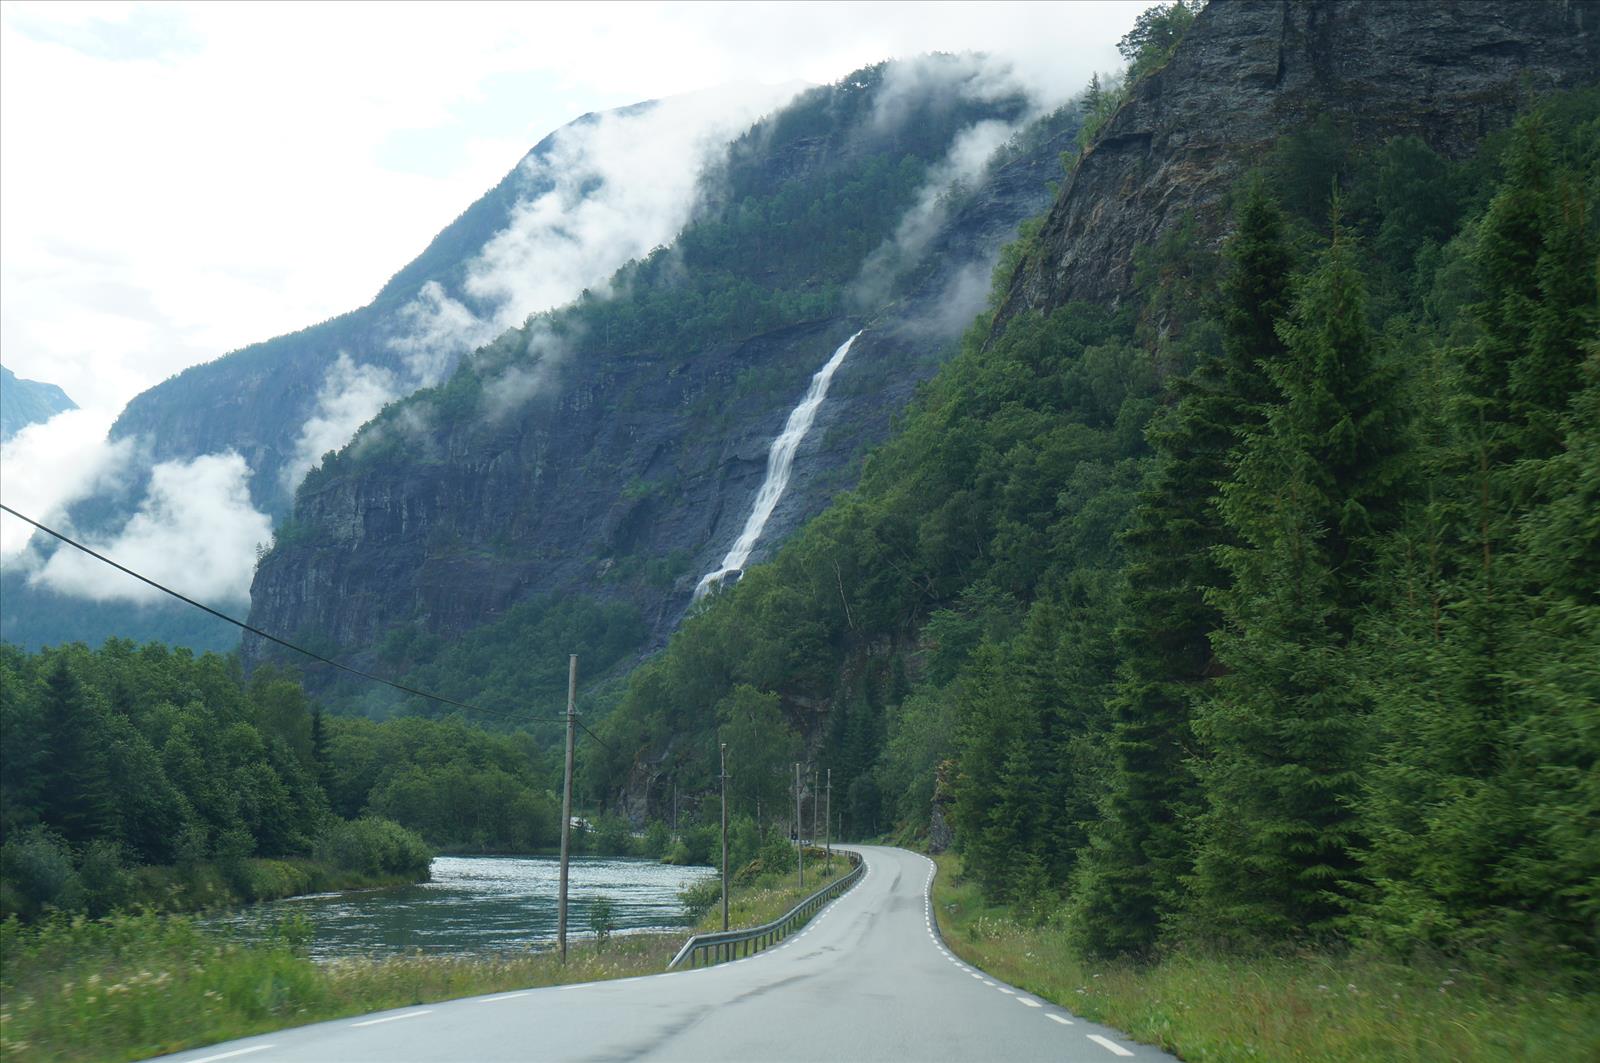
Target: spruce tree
1478 733
74 783
1308 502
1140 850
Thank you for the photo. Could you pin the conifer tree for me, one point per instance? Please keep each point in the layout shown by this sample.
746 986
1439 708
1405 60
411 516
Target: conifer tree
1140 850
1478 735
74 788
1308 501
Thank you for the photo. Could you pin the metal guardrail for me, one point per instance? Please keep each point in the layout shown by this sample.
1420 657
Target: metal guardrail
722 945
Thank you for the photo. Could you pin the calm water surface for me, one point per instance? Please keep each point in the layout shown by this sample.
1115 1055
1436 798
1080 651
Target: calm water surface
480 904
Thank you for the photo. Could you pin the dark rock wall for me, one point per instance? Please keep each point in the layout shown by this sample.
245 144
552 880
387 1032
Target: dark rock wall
628 457
1250 71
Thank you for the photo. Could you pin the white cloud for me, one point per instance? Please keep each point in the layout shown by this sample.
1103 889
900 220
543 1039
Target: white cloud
350 396
47 466
611 190
195 532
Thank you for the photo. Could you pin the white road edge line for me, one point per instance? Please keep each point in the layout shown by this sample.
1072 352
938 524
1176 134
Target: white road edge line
1007 992
235 1052
395 1018
1030 1003
506 996
1107 1043
1063 1020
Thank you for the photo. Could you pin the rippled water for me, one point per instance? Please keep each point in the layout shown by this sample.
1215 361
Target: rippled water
480 904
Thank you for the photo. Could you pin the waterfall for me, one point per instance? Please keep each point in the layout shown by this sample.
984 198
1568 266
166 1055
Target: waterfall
780 459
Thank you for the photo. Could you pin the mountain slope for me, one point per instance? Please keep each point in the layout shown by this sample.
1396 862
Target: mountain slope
547 230
25 402
611 451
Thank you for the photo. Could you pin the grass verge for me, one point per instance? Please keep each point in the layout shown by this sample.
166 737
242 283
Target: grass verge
1348 1007
132 986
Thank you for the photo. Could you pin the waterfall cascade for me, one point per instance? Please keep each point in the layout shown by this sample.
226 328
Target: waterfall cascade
780 459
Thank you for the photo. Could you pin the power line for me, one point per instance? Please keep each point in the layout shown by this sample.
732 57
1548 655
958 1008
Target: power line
284 642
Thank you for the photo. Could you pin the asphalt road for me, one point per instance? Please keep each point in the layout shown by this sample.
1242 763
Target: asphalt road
867 979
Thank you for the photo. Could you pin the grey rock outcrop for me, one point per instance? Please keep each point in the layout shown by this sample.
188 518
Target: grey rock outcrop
1250 71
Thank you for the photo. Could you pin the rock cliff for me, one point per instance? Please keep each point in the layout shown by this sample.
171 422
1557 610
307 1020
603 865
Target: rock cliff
633 467
1250 71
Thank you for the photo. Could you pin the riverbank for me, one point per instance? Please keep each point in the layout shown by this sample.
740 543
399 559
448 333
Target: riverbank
210 886
1305 1007
129 987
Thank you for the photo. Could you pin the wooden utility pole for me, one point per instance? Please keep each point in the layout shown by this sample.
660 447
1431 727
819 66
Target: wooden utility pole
566 806
724 835
813 806
799 842
827 821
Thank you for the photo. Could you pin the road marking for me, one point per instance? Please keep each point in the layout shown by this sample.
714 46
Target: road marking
1059 1018
394 1018
1030 1003
508 996
235 1052
986 982
1007 992
1107 1043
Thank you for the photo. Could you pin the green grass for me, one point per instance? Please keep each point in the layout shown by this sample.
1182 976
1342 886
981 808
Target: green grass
128 987
760 895
1351 1007
132 986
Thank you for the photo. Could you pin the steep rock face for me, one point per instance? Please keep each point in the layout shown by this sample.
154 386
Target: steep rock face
1250 71
632 471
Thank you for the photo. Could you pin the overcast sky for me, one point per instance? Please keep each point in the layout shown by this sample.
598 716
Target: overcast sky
177 181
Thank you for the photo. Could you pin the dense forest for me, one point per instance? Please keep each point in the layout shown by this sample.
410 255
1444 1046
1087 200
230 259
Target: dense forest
1262 609
128 759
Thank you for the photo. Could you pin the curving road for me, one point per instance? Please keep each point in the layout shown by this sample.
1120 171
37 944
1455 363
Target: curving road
868 979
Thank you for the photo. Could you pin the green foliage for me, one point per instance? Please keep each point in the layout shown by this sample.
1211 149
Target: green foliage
1155 35
1308 658
375 847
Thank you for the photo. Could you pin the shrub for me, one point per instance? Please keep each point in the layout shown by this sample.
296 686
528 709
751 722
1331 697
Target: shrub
36 868
377 847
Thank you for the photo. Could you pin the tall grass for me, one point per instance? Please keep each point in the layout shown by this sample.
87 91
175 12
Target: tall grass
1344 1007
132 986
128 987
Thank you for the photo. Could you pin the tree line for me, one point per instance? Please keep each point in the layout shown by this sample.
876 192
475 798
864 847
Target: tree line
1261 609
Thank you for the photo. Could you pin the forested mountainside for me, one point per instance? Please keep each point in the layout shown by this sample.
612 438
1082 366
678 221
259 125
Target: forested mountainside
25 402
1251 598
572 481
282 403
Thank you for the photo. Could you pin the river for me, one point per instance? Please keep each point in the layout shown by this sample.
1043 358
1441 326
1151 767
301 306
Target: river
479 904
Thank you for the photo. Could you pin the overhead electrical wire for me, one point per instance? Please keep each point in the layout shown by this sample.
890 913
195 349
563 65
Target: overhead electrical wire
287 644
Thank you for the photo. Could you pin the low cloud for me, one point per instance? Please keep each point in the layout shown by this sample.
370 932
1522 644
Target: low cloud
608 189
350 396
47 466
969 154
196 532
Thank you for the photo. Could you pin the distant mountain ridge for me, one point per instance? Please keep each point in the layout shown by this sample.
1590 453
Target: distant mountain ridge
25 402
